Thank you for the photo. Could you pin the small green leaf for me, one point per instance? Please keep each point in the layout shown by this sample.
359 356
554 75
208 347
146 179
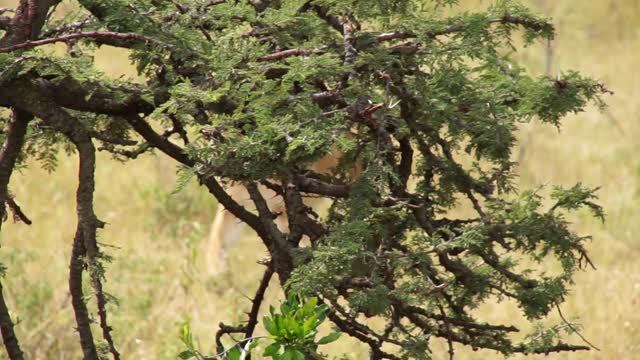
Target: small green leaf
329 338
234 354
297 355
272 349
187 354
321 310
292 326
185 335
310 324
309 306
288 354
279 325
270 325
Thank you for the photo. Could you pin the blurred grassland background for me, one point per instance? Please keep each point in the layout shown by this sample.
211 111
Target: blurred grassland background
156 238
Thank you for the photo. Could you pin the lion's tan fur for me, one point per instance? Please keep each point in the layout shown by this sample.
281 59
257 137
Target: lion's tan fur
227 229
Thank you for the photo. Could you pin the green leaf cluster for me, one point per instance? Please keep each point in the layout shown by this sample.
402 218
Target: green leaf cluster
295 328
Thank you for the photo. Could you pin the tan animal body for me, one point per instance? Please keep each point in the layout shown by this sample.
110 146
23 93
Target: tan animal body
227 229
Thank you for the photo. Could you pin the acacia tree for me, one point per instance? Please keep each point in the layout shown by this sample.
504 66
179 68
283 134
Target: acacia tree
425 98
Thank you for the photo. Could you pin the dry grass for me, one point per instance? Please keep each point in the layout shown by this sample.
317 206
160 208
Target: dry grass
157 237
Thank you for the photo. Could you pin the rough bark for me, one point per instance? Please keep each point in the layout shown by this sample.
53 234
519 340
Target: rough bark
84 243
8 156
24 25
8 335
76 267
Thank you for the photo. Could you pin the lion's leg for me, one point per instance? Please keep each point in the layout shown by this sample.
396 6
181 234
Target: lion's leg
282 221
225 231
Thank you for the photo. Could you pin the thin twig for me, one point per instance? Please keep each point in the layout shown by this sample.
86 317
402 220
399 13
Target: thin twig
17 212
226 329
10 67
574 329
394 36
183 10
72 27
215 2
82 35
111 139
449 330
9 153
288 53
257 301
221 354
350 52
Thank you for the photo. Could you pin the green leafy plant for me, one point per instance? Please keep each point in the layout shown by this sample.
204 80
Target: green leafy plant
295 328
293 332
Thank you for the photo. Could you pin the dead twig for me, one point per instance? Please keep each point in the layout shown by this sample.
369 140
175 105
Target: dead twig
18 214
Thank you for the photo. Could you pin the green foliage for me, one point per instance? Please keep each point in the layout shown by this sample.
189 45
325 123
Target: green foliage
543 337
186 337
425 97
103 350
293 330
575 198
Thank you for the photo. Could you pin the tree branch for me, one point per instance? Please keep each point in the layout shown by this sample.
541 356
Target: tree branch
352 328
288 53
257 301
298 215
314 186
76 267
397 35
18 214
574 329
27 22
5 22
224 329
323 13
551 349
350 52
456 321
83 35
406 162
85 243
260 5
175 152
111 139
275 240
86 233
15 135
506 19
66 28
8 336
